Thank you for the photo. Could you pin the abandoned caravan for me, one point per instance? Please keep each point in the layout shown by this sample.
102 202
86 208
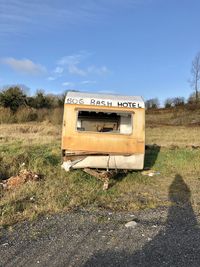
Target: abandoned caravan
103 132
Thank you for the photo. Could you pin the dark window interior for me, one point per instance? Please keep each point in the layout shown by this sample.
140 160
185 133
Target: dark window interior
94 121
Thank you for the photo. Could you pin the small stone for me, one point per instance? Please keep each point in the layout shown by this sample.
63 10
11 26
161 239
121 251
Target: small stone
105 185
149 239
151 174
99 231
131 224
32 199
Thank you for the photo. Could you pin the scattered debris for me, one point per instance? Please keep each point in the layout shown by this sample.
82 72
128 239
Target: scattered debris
195 146
173 147
131 224
104 176
150 173
32 199
23 177
5 244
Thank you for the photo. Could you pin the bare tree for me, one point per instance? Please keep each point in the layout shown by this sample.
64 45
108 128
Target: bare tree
168 103
192 98
195 71
152 103
178 101
174 102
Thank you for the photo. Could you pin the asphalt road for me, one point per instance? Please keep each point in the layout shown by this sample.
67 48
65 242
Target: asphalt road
161 237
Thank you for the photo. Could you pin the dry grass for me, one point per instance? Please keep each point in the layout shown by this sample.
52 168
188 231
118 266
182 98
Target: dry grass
173 135
38 145
46 133
174 117
30 133
27 114
178 127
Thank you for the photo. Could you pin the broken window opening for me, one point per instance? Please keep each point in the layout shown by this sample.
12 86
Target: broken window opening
106 122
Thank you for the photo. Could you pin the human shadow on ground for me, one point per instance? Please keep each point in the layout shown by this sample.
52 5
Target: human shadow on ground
178 244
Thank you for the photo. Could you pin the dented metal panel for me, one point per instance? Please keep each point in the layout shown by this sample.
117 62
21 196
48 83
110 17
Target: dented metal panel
133 162
126 147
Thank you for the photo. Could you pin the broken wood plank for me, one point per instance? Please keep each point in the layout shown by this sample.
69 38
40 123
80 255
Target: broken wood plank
104 176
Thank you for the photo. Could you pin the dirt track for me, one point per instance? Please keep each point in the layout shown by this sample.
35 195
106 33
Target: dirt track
161 237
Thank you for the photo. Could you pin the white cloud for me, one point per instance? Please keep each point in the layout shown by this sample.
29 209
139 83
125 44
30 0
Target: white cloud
71 60
51 78
98 70
58 70
88 82
73 69
56 73
17 16
24 65
73 65
68 84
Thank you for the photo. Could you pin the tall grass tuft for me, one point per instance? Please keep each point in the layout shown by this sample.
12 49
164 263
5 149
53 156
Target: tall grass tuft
6 116
27 114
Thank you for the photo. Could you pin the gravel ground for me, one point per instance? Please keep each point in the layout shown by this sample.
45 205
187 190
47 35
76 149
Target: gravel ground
159 237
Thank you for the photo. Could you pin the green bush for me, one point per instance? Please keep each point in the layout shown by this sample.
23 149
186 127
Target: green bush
12 98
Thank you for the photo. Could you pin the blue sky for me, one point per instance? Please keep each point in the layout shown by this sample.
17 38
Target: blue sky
133 47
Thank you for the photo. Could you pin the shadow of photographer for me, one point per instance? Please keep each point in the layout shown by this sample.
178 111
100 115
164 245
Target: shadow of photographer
178 244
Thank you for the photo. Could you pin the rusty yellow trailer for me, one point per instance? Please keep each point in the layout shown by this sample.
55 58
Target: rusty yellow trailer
103 131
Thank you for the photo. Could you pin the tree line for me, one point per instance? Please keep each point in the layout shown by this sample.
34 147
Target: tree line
15 97
173 102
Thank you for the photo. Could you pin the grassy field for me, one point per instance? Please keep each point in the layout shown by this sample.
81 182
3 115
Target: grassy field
181 116
38 146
